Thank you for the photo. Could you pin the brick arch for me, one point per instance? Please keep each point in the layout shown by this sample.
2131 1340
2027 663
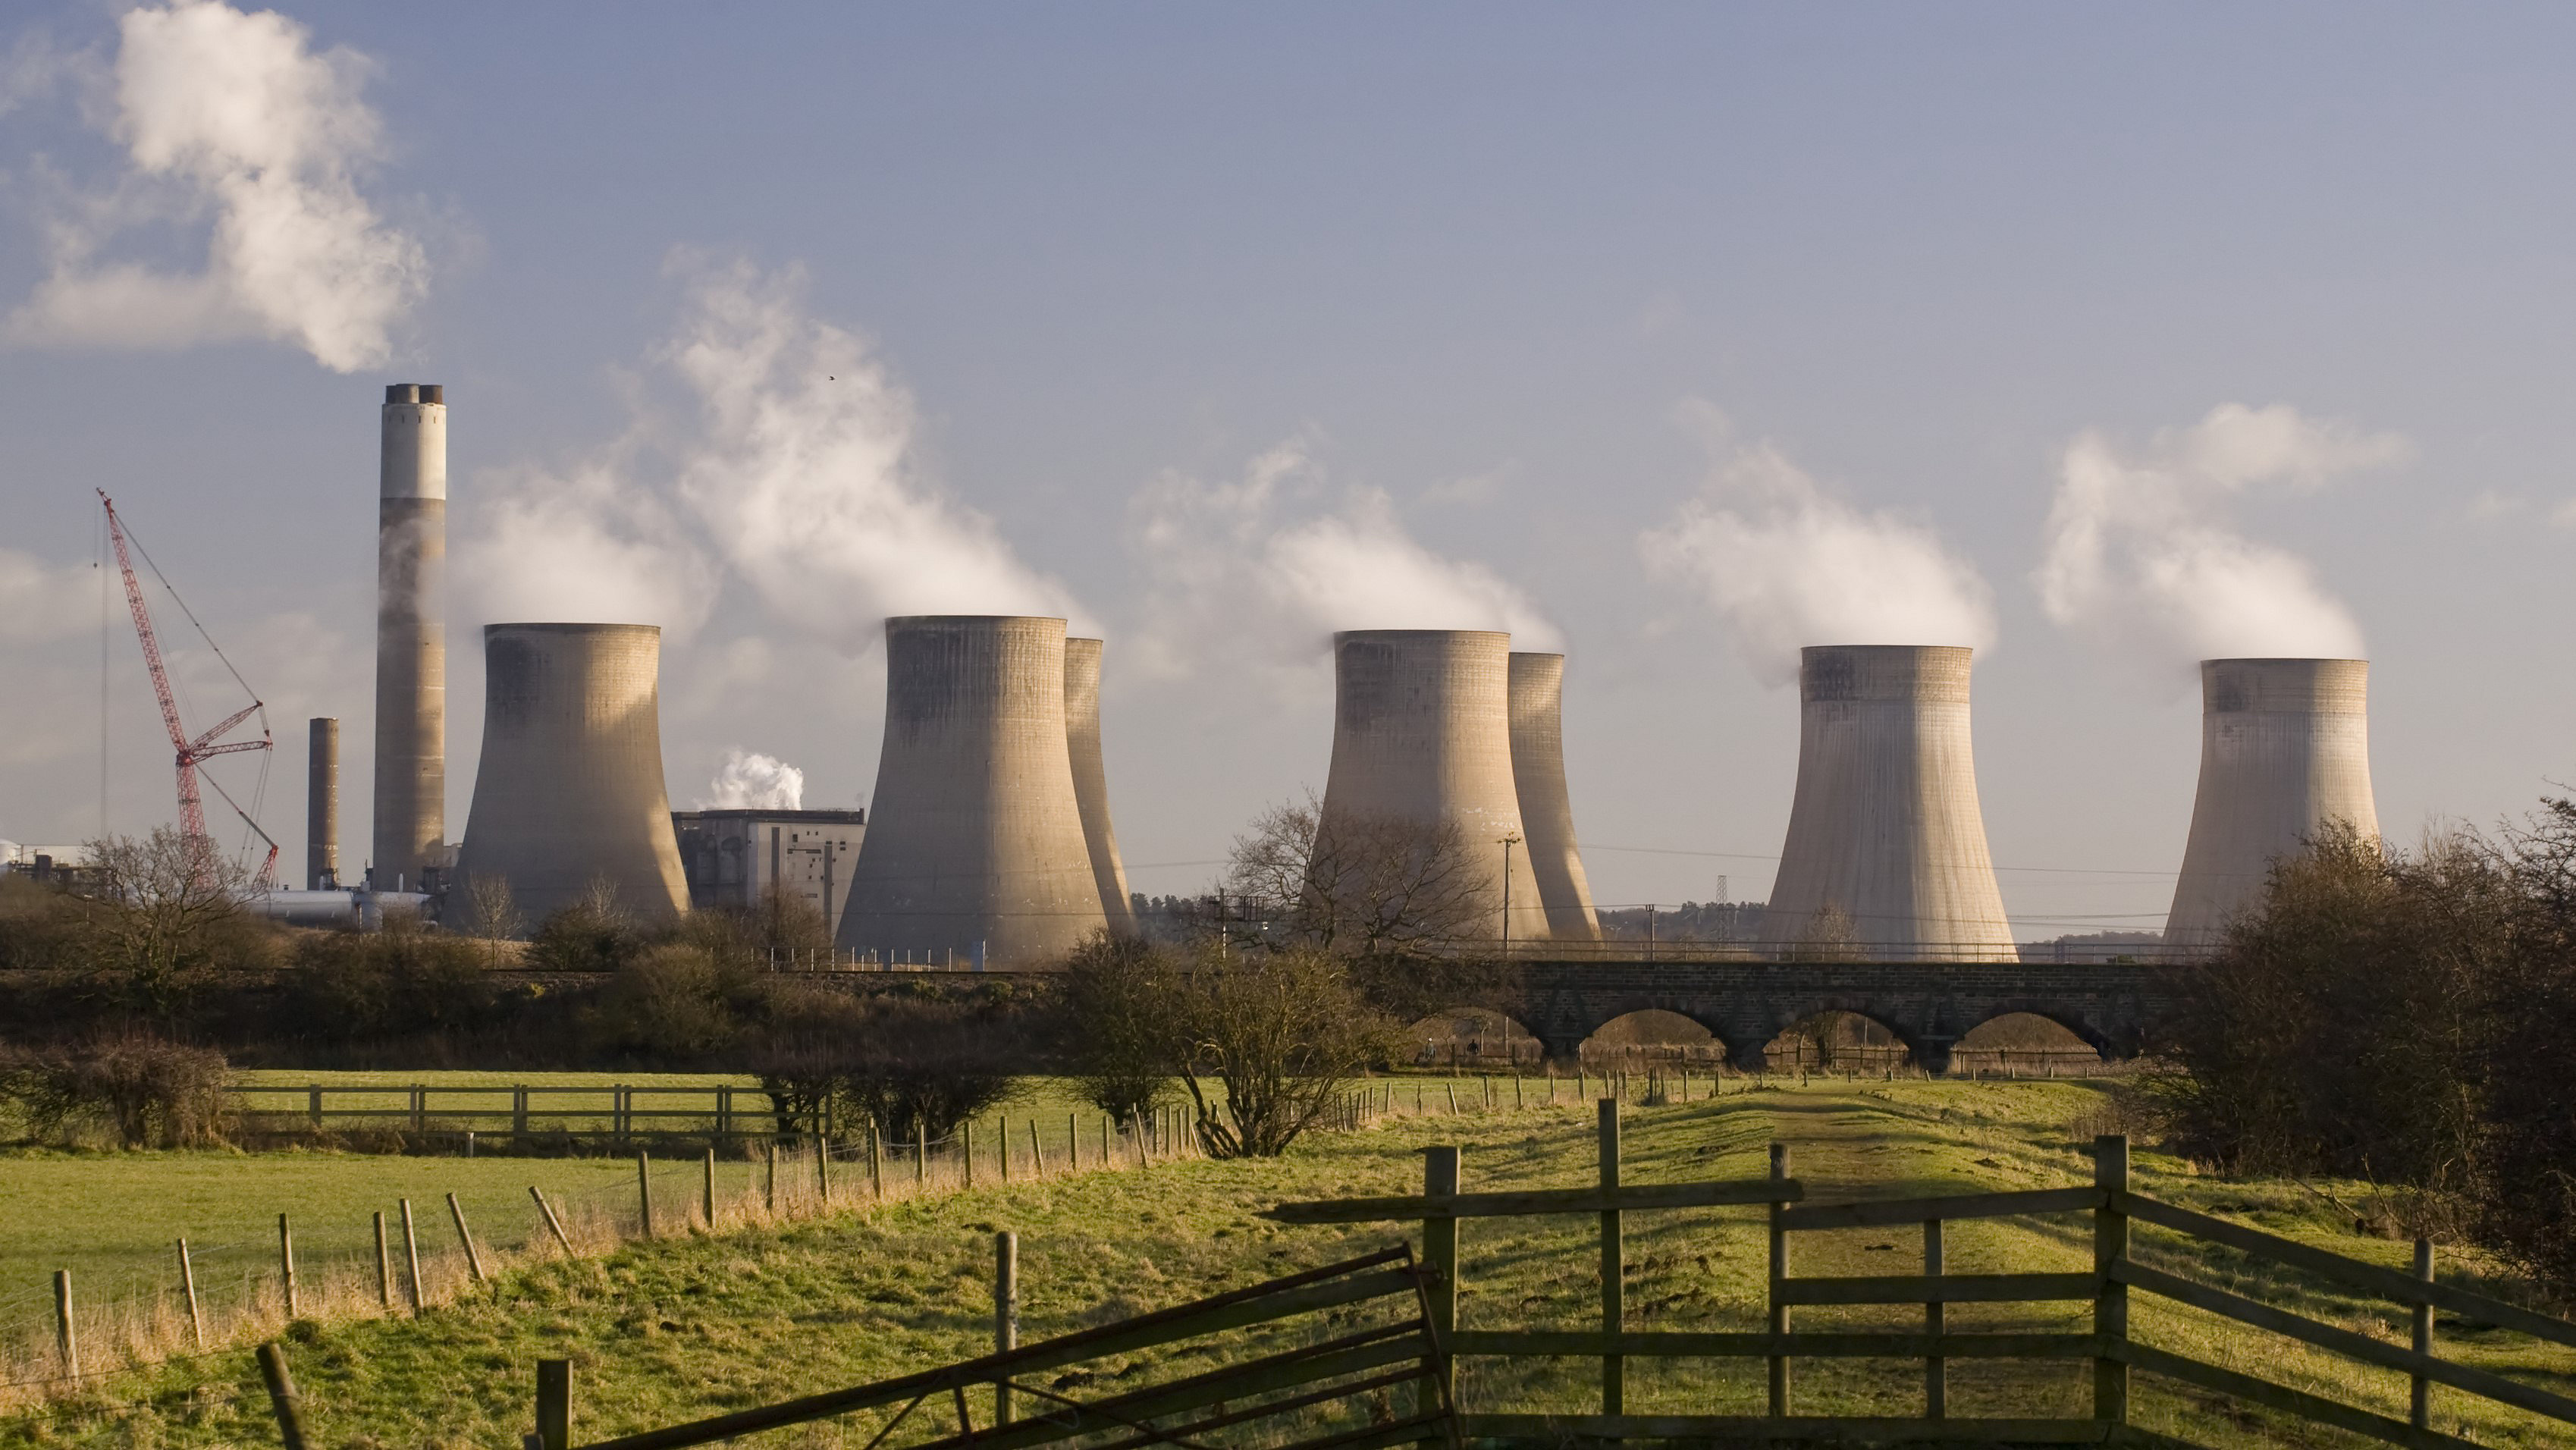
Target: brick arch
2073 1018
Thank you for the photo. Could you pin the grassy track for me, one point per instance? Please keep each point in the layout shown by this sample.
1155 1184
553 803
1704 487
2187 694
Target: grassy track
672 1330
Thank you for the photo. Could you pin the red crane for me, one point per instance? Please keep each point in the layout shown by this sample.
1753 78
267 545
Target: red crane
192 751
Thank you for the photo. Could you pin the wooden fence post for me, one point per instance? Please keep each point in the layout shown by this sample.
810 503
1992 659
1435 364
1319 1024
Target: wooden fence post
519 1112
1002 1145
286 1263
876 1163
2111 1300
1614 1368
1936 1373
188 1286
1037 1152
2420 1408
1006 1312
1107 1159
769 1182
966 1150
1073 1141
411 1255
1440 1174
707 1192
1779 1322
384 1265
823 1168
644 1190
65 1339
281 1395
314 1106
554 1225
554 1404
473 1255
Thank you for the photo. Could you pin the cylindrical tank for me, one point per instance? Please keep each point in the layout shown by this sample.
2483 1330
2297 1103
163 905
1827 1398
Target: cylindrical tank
1886 853
2284 748
1547 812
1091 781
410 824
1422 742
321 804
975 849
570 789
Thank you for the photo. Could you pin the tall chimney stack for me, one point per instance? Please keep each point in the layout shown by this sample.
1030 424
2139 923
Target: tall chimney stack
1885 829
411 638
321 804
2284 748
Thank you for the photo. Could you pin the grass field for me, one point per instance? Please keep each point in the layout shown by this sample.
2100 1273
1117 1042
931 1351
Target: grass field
670 1330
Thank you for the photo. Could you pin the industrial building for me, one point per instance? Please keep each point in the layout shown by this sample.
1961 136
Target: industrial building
410 822
2284 749
741 858
570 789
1091 781
1422 736
1886 852
975 851
1547 812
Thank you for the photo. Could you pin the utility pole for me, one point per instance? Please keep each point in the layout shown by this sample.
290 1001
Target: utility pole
1509 840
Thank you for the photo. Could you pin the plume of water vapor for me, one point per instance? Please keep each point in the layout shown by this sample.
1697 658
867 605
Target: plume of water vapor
582 545
235 114
1278 557
1786 564
2141 554
748 780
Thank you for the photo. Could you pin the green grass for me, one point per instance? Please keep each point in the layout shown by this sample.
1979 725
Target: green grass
671 1330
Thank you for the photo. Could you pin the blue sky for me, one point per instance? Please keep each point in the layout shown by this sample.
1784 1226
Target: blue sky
1480 280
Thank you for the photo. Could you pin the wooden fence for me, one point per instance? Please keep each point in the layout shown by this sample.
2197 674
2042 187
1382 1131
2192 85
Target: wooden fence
2111 1347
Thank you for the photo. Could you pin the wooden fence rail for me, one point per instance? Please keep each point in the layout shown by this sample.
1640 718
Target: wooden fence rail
2113 1347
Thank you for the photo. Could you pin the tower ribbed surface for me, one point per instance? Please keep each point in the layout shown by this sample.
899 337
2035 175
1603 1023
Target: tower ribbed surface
570 789
2284 748
1422 733
976 833
1091 780
1547 811
1885 826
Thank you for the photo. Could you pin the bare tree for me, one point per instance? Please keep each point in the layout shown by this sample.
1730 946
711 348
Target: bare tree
492 913
1365 885
164 899
1268 1042
1828 936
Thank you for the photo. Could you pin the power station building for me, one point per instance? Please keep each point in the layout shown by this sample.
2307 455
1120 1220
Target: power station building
741 858
409 840
1547 812
1886 853
975 849
1422 740
2284 749
570 790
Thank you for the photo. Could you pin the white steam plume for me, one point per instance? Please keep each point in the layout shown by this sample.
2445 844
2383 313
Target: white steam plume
1785 564
748 780
2142 555
1276 558
792 467
804 475
235 114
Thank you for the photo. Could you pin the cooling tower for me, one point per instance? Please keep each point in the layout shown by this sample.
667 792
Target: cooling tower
411 638
2284 748
975 847
321 804
570 788
1547 814
1884 829
1091 780
1422 738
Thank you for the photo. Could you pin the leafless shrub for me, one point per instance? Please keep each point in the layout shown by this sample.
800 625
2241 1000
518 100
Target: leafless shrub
1360 885
142 1091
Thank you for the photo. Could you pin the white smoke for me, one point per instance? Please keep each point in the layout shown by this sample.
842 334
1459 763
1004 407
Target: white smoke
748 780
1278 558
2142 555
803 471
235 114
792 468
1786 564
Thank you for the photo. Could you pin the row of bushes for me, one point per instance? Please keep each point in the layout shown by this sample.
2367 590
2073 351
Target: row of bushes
2405 1019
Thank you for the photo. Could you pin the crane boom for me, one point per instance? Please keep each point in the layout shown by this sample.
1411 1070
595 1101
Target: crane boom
187 752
